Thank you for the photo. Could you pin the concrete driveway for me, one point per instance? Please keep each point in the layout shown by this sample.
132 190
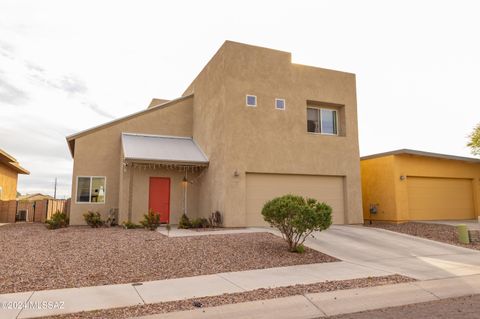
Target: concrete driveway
380 249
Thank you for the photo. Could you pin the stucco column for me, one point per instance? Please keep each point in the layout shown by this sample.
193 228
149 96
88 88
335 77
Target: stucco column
130 193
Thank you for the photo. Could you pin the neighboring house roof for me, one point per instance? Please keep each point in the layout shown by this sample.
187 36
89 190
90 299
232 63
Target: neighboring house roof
12 163
157 102
37 196
71 138
158 148
421 153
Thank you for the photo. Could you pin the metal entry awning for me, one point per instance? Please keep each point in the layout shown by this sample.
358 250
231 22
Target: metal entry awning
174 150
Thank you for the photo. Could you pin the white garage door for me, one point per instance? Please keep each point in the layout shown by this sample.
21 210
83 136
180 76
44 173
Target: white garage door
264 187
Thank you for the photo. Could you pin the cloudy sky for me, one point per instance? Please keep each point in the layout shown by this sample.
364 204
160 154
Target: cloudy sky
68 65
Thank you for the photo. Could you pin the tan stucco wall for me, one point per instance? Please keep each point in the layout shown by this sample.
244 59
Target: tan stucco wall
99 153
8 182
266 140
381 183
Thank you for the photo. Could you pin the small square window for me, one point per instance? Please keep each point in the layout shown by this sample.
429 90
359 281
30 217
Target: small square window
280 104
251 100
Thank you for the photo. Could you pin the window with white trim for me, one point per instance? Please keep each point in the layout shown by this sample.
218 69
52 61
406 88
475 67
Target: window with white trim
90 189
280 104
251 100
323 121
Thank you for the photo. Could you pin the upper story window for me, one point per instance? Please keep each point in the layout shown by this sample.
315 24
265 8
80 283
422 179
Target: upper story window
90 189
280 104
251 100
323 121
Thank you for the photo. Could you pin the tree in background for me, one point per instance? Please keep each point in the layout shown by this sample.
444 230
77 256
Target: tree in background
474 142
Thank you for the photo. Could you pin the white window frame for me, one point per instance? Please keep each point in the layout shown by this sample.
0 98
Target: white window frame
284 104
90 193
320 119
246 100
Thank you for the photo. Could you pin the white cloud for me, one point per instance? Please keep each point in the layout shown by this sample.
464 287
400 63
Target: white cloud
66 66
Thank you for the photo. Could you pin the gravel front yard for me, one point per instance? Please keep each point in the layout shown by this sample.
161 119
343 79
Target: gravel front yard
259 294
34 258
443 233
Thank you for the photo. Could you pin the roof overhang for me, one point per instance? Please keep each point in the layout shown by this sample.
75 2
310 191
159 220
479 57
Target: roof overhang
421 153
160 149
12 163
163 104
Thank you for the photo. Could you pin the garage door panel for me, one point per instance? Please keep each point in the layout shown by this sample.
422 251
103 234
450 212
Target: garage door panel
261 188
440 198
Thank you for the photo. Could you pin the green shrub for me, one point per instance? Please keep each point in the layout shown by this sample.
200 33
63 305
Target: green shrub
151 220
130 225
184 222
300 249
93 219
58 220
199 223
296 218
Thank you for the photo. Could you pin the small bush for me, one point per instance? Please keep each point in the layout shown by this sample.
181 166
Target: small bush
300 249
93 219
58 220
184 222
130 225
296 218
199 223
151 220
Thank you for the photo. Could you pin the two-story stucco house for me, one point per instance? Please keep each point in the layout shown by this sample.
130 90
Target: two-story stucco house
251 126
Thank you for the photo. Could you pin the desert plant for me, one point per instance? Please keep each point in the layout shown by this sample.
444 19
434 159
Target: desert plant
199 223
130 225
215 220
112 217
151 220
93 219
296 218
184 222
58 220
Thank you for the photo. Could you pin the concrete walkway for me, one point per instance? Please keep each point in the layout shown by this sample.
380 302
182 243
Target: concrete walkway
112 296
393 252
337 302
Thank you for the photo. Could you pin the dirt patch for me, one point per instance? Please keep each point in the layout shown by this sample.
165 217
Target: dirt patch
454 308
443 233
34 258
259 294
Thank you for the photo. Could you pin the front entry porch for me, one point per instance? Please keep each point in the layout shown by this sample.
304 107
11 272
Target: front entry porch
160 174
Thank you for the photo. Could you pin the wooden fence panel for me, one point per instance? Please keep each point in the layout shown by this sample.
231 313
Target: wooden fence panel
8 210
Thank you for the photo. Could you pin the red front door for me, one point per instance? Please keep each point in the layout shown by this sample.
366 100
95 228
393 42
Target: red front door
159 197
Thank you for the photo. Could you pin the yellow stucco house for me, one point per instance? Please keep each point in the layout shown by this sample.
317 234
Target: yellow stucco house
9 170
251 126
407 185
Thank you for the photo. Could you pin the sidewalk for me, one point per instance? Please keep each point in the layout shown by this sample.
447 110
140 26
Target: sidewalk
124 295
337 302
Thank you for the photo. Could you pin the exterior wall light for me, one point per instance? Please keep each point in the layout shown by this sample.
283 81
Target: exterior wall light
402 177
236 173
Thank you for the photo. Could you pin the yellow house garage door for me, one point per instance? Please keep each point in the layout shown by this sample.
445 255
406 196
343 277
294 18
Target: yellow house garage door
440 198
264 187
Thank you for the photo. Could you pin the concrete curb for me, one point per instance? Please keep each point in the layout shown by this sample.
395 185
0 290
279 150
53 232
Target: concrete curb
337 302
